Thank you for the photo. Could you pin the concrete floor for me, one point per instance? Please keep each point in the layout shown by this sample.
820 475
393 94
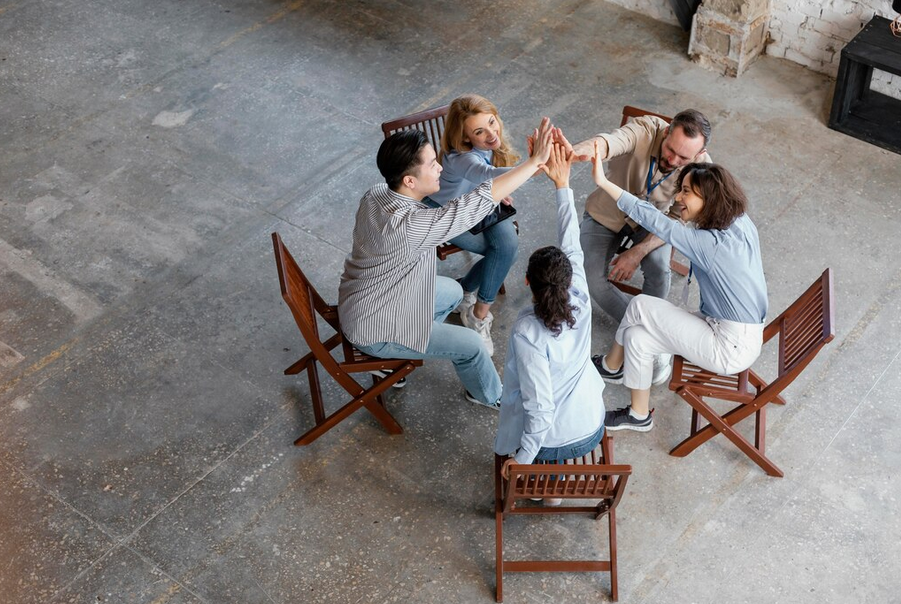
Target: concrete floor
147 151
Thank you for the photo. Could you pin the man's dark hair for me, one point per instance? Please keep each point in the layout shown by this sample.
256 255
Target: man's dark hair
399 156
724 199
693 124
550 274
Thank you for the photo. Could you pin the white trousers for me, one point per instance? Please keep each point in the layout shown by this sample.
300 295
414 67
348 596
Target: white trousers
652 326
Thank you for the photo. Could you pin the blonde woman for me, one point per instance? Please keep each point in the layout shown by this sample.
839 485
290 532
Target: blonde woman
474 150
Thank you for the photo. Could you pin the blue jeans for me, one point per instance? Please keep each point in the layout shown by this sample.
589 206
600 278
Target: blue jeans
462 346
599 245
498 246
571 451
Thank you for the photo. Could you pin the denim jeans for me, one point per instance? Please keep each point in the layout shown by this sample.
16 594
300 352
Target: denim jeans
462 346
599 245
571 451
498 246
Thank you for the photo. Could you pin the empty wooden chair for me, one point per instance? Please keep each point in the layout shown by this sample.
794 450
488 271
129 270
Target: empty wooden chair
630 113
592 477
431 123
803 329
305 304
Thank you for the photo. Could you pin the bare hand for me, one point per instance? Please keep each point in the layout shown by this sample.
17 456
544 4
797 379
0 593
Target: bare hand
624 266
561 140
542 140
597 171
505 469
559 166
507 201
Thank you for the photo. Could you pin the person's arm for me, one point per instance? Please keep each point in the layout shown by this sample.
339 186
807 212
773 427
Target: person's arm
472 167
691 242
537 396
558 169
432 227
624 265
621 141
505 184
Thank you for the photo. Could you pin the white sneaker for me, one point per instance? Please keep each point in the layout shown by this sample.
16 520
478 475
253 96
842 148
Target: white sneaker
468 301
480 326
663 368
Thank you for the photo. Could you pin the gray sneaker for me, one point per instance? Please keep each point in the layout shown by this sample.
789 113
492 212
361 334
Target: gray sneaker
621 419
611 377
468 301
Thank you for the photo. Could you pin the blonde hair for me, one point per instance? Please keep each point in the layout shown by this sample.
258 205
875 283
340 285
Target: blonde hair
461 109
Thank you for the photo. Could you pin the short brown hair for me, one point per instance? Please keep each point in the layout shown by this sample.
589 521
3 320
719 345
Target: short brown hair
693 124
724 199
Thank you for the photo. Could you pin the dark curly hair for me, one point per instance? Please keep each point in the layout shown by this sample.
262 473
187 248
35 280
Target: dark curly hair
550 274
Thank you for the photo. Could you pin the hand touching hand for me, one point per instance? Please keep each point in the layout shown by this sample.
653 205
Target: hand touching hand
597 172
559 166
560 139
542 140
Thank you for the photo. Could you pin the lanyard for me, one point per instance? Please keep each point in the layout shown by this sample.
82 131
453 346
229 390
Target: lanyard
649 187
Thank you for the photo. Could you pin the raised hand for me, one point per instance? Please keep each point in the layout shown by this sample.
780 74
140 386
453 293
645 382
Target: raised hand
597 171
560 139
559 166
542 140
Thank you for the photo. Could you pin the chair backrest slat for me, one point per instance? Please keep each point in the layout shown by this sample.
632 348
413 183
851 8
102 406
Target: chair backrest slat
430 122
630 112
806 325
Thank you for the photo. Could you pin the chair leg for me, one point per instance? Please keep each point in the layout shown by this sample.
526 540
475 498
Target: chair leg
315 392
724 428
758 383
499 529
368 399
760 430
614 584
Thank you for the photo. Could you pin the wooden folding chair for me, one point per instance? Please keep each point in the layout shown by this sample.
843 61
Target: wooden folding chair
590 477
431 123
305 304
630 113
803 328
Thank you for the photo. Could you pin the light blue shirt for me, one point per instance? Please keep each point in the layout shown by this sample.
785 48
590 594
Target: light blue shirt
725 262
552 392
463 172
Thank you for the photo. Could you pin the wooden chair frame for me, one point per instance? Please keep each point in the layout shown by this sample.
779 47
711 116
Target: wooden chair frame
590 477
305 304
803 328
630 112
431 123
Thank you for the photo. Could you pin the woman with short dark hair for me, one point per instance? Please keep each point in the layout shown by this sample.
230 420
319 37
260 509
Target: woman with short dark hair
726 333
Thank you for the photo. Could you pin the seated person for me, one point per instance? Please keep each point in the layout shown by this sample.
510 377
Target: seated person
473 150
552 407
390 301
726 334
644 157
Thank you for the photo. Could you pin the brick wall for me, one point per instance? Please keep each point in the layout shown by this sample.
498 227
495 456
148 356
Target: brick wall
809 32
813 33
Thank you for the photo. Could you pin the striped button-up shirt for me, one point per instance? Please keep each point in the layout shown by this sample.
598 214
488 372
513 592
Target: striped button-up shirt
387 291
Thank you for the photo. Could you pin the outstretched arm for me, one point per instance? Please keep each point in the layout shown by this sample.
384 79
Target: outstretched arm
558 169
542 139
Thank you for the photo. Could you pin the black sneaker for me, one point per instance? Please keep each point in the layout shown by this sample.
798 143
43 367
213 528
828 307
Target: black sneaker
611 377
383 373
496 406
621 419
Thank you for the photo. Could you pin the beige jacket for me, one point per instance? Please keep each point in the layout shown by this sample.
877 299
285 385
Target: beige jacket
630 149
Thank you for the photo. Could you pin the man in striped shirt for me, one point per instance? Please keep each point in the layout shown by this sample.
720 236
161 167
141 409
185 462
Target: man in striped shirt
391 303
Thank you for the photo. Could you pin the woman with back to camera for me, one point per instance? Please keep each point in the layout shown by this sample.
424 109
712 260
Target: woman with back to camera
725 335
552 407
